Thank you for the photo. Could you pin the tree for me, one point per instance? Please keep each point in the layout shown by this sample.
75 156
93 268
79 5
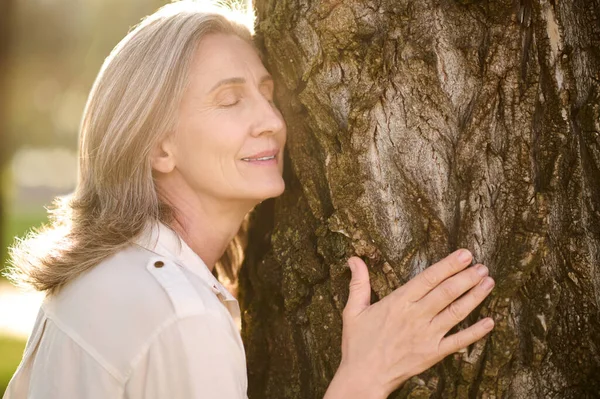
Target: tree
415 128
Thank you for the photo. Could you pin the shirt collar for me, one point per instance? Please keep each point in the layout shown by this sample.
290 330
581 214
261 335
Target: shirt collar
163 241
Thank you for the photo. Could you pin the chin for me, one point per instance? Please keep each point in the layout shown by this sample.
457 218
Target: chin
269 191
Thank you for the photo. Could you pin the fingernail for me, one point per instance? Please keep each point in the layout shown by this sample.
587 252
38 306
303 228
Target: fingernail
350 265
487 283
482 270
488 324
464 256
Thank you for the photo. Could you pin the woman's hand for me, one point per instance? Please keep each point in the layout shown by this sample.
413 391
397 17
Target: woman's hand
402 335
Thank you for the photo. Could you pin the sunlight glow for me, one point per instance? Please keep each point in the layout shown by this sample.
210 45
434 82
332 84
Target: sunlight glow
18 310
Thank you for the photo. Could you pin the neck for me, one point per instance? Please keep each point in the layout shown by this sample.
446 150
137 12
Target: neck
207 225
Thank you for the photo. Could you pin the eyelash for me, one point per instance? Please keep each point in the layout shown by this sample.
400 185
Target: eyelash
231 104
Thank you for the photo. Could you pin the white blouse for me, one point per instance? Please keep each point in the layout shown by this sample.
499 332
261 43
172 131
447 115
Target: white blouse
149 322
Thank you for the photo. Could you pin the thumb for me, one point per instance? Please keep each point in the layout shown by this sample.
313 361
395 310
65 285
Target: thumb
360 289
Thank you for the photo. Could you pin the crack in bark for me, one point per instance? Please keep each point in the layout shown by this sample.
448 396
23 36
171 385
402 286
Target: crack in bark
419 127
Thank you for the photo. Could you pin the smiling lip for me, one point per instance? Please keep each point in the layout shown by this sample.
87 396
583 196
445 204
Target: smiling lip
263 154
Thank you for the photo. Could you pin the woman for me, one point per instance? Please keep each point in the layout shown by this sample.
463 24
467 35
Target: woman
180 139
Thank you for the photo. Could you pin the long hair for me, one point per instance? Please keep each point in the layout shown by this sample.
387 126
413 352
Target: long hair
131 107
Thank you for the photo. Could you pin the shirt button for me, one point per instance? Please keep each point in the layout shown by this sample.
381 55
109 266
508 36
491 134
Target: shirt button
159 264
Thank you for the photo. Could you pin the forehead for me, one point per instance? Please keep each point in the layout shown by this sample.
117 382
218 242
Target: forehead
220 56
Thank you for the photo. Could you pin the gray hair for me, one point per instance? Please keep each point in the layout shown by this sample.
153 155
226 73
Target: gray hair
131 107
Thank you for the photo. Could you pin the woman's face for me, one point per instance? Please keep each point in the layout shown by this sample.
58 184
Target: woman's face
230 136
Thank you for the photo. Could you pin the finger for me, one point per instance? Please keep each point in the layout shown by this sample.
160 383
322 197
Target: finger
431 277
360 288
462 339
460 309
453 287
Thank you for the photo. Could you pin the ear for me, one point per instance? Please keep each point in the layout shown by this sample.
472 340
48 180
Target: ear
162 157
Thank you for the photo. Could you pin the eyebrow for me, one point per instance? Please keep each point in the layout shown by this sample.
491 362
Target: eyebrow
234 81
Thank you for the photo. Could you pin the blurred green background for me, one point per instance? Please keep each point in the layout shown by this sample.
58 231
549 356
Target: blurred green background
50 53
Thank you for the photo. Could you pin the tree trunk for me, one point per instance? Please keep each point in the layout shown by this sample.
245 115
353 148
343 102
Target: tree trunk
415 128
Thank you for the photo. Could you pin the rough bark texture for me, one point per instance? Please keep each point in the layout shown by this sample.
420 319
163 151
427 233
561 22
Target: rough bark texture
415 128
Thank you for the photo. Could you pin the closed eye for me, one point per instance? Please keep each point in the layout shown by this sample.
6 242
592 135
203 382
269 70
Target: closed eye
267 90
229 97
228 104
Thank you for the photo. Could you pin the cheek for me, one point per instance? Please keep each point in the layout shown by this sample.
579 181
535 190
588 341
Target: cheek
210 148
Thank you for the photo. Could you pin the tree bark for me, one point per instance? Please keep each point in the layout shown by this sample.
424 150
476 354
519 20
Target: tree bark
416 128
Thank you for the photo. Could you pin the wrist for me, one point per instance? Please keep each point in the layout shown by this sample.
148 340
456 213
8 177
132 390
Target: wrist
350 383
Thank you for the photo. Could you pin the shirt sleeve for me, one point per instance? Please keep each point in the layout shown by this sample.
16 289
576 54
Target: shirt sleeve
194 357
55 366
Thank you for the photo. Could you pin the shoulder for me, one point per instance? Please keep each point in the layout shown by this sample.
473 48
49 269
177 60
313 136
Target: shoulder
120 305
133 281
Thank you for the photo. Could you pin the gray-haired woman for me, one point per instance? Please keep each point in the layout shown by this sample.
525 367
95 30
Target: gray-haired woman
180 139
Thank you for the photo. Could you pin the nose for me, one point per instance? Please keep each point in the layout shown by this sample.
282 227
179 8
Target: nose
268 118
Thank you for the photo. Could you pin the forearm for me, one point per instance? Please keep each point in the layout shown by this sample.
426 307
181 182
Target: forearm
349 384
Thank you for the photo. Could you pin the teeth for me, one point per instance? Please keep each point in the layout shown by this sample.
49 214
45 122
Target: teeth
259 159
